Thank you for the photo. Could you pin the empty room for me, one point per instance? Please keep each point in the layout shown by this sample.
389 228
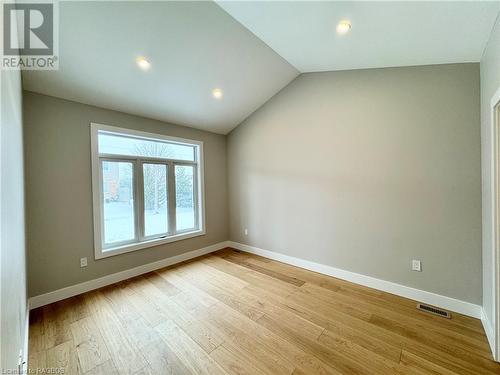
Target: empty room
250 187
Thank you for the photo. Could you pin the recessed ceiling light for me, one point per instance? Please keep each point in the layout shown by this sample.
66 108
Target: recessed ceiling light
143 63
217 93
343 27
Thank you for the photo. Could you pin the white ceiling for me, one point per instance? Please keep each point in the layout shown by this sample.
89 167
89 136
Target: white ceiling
383 34
193 47
197 46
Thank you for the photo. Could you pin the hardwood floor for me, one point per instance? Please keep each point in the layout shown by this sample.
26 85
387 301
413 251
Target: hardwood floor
236 313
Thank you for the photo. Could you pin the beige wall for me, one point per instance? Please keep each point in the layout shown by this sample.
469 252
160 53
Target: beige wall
59 196
12 234
365 170
490 83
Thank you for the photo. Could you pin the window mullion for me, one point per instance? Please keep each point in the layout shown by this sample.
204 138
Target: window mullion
101 202
139 175
171 198
196 197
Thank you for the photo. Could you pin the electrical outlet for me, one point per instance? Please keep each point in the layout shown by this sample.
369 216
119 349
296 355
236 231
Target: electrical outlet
246 232
416 265
83 262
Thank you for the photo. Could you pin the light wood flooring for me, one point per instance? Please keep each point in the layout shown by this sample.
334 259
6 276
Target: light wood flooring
236 313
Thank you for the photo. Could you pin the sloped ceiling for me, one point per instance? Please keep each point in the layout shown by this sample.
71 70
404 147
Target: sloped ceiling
383 34
248 49
193 48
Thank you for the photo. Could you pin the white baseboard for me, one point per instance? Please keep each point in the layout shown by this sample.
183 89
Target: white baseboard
73 290
462 307
488 329
447 303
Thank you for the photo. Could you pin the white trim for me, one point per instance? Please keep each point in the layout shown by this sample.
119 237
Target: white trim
488 329
438 300
140 134
145 244
495 222
96 193
73 290
99 251
24 359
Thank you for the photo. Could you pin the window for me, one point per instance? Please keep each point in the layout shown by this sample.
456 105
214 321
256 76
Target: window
147 189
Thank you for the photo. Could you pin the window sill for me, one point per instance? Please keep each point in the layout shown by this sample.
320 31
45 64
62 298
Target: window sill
105 253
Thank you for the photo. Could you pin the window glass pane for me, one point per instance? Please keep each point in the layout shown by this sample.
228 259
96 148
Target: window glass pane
124 145
155 199
184 197
118 205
